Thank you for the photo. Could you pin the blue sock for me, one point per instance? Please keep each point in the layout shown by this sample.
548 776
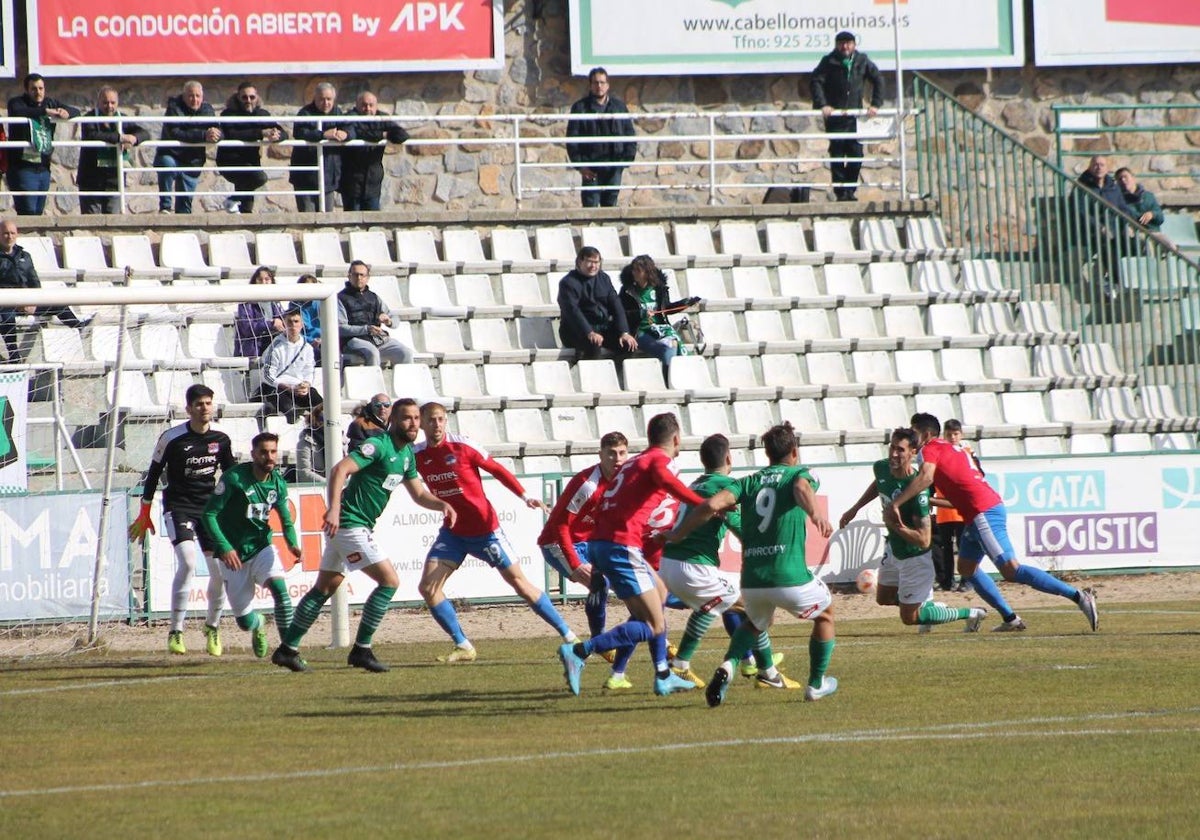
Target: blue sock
623 635
621 659
596 605
990 593
673 603
658 651
1042 582
546 612
447 619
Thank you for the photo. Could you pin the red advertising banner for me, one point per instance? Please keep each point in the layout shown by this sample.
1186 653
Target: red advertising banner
158 37
1168 12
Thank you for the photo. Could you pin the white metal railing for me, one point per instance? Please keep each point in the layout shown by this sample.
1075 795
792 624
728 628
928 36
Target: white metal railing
528 136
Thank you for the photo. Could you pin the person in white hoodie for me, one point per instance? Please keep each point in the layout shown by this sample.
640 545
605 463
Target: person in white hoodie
288 368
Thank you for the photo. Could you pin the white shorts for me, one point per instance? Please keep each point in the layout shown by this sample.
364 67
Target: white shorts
807 602
239 584
350 550
912 577
699 586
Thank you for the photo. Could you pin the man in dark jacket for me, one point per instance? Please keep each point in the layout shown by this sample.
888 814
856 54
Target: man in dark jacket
201 127
363 322
29 168
237 125
1100 229
362 166
838 84
324 104
18 272
600 163
100 168
592 318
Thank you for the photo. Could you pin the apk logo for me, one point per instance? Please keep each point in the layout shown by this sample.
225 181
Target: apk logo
1051 491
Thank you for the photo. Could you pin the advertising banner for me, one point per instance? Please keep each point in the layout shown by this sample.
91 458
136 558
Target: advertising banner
1073 32
688 37
48 554
188 37
14 392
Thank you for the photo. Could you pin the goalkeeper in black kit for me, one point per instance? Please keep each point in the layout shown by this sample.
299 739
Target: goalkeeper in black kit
189 455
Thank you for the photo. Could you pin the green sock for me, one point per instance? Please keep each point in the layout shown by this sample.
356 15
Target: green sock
283 604
249 621
819 654
932 613
741 641
306 613
373 612
697 625
764 657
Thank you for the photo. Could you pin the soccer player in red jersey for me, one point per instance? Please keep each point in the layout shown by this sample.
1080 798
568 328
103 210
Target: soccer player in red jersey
615 549
450 465
954 473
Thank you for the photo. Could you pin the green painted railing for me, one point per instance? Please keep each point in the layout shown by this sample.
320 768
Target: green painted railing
1057 241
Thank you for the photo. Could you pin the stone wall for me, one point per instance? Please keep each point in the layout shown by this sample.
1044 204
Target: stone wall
536 79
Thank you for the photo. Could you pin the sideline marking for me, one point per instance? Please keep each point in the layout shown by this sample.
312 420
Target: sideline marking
941 732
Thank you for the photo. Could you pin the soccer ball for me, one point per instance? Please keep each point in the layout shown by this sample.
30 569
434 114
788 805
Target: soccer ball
866 580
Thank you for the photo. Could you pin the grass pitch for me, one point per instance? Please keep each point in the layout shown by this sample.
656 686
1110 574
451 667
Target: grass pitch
1056 732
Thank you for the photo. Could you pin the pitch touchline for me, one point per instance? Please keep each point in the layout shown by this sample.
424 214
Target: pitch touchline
935 733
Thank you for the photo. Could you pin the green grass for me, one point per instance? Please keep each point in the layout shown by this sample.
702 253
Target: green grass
1053 733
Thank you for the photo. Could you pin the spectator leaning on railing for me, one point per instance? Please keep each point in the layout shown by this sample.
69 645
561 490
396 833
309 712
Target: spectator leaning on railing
100 169
236 125
324 103
601 163
201 127
362 166
838 83
29 168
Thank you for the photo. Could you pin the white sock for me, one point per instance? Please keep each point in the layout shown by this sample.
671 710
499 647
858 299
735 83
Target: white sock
185 567
216 591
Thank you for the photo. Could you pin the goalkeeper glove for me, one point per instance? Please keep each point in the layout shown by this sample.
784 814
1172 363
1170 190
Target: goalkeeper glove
140 526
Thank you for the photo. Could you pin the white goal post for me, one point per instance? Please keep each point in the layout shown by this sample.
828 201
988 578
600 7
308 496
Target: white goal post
209 294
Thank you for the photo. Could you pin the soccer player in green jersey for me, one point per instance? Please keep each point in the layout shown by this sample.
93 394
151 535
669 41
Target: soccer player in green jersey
776 504
378 466
237 517
689 570
906 575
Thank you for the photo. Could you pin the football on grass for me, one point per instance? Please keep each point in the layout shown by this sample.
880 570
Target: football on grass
866 580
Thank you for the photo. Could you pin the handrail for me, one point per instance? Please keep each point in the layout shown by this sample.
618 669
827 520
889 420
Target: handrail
1065 128
1112 280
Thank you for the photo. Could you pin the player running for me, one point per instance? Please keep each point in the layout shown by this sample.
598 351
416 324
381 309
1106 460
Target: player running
906 575
238 518
776 504
615 549
450 466
378 466
189 455
954 473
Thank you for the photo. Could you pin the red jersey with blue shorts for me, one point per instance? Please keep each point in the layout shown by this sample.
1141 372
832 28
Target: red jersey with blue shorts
637 489
451 472
958 479
574 515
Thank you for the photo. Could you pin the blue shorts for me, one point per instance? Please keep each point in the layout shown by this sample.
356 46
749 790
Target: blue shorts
493 549
987 534
625 567
556 560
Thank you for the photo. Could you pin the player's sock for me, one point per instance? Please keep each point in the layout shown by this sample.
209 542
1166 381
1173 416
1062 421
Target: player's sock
185 567
673 602
546 612
621 657
373 612
931 613
742 641
283 603
250 621
764 657
819 654
697 625
658 653
1043 582
623 635
990 593
447 619
732 620
306 613
596 608
216 591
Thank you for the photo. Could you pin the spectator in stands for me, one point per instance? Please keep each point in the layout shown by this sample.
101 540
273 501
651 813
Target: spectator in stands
362 166
201 127
948 523
324 103
29 168
310 311
600 163
236 124
838 83
310 448
288 370
1141 205
370 419
18 272
363 321
592 319
1100 230
100 168
258 322
645 296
